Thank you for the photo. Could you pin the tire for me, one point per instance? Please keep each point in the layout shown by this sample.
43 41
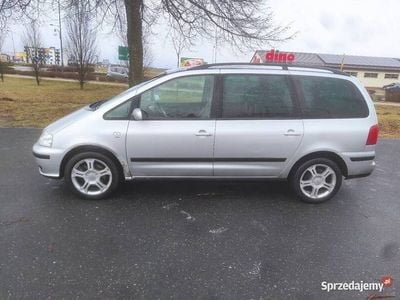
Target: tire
92 175
316 180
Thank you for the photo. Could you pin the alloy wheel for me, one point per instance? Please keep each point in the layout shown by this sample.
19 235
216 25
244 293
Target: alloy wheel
318 181
91 176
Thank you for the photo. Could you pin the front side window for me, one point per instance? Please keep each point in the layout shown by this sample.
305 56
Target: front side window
181 98
331 98
256 96
121 112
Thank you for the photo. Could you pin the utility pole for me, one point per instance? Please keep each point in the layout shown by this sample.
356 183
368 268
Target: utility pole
61 45
60 35
13 44
215 48
342 64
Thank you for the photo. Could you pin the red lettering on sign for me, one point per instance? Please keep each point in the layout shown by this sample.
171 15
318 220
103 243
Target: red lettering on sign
277 56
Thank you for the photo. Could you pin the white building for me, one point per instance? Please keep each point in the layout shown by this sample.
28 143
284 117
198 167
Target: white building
53 56
48 56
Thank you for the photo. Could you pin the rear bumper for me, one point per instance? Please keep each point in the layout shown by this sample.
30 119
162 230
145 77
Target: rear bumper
48 160
359 164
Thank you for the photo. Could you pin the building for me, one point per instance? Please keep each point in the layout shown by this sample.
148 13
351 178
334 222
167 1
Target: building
373 72
47 56
20 57
4 57
52 56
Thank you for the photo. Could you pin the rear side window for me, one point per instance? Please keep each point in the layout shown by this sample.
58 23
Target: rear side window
256 96
331 98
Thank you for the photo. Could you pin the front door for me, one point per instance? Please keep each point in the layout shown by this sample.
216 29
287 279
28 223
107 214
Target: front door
258 131
176 136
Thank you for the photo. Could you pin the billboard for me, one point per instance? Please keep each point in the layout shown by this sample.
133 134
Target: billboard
191 62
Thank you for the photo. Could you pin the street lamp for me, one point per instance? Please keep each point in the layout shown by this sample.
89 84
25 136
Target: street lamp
12 39
60 30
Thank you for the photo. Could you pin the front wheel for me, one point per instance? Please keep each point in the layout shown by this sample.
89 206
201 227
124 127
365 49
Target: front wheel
92 175
316 180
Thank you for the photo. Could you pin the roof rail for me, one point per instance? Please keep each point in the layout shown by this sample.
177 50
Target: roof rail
284 66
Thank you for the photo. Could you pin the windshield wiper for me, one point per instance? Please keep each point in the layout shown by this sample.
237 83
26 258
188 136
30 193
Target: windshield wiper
97 104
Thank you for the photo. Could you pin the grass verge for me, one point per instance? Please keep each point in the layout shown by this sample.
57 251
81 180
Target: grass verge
23 104
389 120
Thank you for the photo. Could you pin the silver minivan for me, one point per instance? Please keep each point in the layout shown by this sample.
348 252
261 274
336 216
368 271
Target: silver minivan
310 126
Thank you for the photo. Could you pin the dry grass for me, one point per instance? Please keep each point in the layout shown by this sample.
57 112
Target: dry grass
23 104
389 120
152 72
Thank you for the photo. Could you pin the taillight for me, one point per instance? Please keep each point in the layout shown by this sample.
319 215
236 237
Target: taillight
373 135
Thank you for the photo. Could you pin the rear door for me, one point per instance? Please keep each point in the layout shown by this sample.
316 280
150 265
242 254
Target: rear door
176 137
258 129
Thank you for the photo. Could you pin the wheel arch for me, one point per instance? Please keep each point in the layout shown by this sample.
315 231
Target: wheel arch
90 148
321 154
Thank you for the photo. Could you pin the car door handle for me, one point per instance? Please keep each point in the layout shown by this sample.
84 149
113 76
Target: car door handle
291 132
203 133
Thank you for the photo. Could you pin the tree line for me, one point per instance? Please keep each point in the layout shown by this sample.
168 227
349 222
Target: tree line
244 24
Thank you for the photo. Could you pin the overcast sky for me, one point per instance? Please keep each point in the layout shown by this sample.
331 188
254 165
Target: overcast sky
354 27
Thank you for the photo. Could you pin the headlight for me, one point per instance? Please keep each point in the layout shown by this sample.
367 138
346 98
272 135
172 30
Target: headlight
46 139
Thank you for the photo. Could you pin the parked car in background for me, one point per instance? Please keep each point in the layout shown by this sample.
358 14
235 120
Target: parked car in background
394 87
309 126
117 72
392 92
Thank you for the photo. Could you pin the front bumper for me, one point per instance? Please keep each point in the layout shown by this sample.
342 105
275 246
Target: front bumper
48 159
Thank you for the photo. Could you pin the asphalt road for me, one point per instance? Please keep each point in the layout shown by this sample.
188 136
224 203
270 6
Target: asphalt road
193 239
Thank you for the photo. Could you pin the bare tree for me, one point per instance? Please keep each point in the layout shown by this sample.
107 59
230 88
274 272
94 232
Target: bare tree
122 33
179 42
81 43
147 53
15 9
244 24
32 40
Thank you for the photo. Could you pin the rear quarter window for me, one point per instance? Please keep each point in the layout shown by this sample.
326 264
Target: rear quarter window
331 98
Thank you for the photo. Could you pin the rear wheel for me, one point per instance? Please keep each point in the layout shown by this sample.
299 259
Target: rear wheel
92 175
317 180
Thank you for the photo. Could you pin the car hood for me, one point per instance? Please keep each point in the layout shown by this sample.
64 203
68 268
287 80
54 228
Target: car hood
68 119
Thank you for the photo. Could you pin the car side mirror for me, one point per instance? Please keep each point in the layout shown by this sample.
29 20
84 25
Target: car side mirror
137 114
